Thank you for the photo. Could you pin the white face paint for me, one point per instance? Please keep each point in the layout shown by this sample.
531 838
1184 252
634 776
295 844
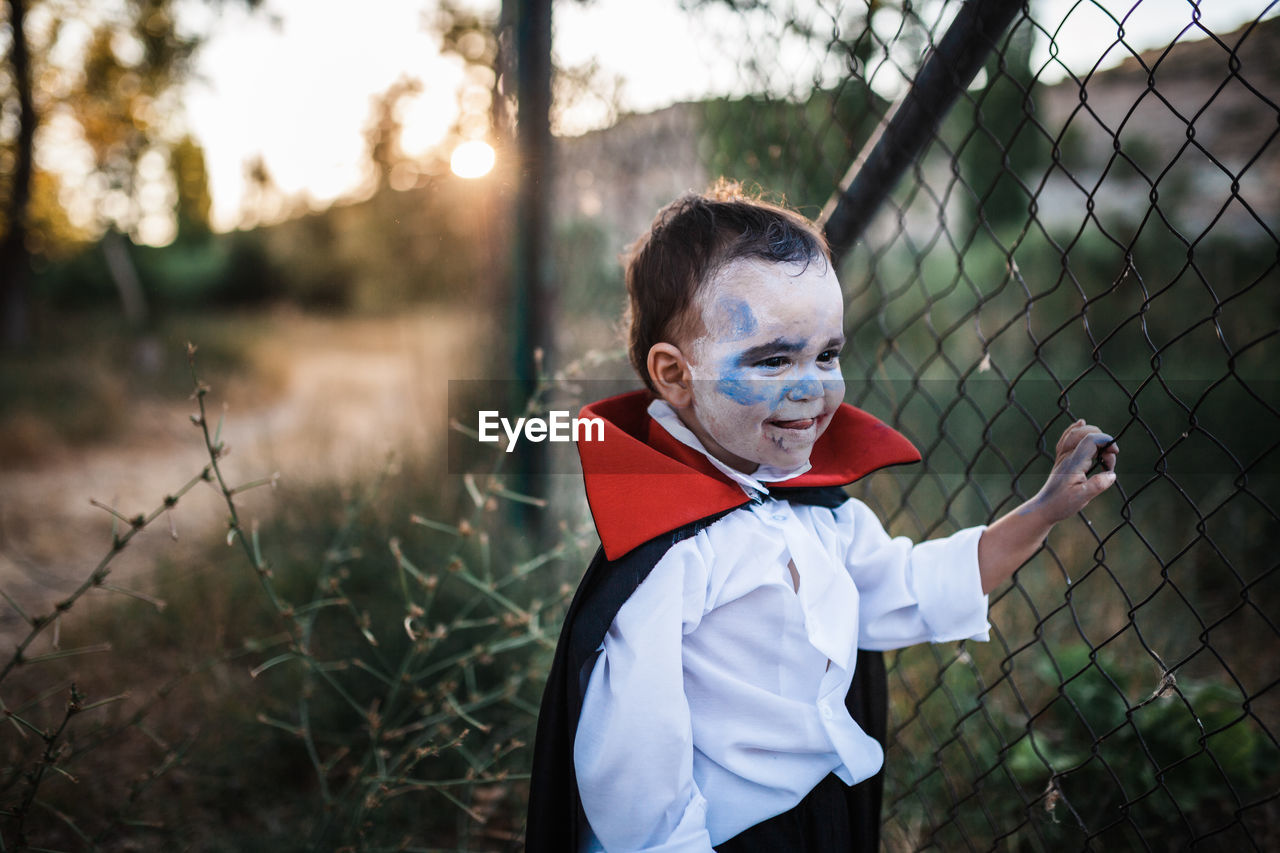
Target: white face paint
766 373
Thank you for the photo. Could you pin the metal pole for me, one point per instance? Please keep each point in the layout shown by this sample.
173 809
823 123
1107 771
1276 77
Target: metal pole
899 139
913 121
533 297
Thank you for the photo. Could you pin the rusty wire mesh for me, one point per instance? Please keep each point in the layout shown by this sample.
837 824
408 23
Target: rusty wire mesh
1090 232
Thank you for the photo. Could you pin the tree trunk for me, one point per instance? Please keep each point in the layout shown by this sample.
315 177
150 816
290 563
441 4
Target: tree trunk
13 248
124 275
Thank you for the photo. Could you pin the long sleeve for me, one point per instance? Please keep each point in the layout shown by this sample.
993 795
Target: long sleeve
633 752
911 593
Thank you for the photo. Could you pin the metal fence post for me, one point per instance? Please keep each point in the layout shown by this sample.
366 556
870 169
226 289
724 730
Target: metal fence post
899 139
533 297
914 120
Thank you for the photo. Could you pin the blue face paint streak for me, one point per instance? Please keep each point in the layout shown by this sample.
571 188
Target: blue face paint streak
805 389
738 317
737 384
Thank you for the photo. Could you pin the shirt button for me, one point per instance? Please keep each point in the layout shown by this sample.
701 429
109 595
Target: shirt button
777 516
826 712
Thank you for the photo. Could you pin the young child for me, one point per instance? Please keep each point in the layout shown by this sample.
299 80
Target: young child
698 697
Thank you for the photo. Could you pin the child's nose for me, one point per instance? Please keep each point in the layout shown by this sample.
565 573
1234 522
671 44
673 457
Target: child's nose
805 389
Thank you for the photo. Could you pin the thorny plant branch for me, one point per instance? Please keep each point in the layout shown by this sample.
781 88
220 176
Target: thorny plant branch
52 753
97 578
400 731
56 748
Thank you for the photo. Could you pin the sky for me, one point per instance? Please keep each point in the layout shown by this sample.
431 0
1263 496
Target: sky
292 82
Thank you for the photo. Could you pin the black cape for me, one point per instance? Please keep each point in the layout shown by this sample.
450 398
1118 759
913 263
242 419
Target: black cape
556 822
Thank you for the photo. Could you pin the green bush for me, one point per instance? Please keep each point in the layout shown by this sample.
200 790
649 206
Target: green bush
1088 752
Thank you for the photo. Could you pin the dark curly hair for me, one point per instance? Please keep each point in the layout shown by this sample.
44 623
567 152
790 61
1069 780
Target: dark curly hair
692 239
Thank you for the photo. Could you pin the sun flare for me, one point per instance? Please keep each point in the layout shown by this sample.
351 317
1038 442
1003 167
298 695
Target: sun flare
472 159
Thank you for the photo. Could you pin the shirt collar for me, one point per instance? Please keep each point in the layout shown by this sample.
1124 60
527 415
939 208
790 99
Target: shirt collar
642 482
753 484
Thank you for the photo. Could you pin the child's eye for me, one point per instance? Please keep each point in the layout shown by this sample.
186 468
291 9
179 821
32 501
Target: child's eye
773 362
829 356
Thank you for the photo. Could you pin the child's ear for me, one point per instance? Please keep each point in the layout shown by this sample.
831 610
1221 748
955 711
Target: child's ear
670 373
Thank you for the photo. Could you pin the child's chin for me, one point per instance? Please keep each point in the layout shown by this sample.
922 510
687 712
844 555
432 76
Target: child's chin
788 457
792 443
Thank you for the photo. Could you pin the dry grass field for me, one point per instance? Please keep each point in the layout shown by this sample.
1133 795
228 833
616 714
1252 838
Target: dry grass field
319 400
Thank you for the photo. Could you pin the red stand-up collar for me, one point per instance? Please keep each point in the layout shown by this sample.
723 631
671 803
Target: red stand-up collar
642 482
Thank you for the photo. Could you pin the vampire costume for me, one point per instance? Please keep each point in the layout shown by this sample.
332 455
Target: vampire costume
648 491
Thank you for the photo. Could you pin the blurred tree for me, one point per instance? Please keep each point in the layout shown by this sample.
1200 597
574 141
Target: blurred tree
1005 144
799 146
382 133
263 200
191 178
485 44
128 66
754 139
20 157
84 80
847 31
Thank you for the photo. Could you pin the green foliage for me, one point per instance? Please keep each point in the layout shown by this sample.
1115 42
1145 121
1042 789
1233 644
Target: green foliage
1003 146
589 279
1087 745
755 140
113 70
1185 759
129 62
191 178
432 243
233 269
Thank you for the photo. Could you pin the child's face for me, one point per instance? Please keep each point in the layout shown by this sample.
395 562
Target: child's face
766 370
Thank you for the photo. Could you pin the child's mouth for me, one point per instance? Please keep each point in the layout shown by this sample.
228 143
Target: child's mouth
802 423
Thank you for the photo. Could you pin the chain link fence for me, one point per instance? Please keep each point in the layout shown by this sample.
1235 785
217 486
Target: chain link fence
1089 231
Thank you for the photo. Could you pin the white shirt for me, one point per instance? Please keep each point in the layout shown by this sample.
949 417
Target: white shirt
717 697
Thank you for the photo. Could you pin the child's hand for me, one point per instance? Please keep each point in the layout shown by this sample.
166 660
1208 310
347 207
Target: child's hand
1010 541
1069 487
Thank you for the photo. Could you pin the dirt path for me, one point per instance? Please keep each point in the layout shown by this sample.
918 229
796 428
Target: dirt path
352 391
